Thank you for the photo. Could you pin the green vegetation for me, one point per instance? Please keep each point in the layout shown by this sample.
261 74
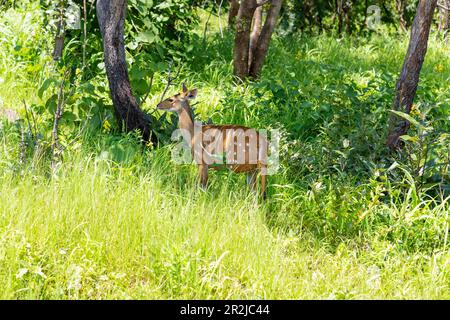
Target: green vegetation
112 218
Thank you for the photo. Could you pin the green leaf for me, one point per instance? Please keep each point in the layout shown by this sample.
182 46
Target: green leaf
68 117
132 45
50 105
409 138
140 86
409 118
147 36
393 166
45 86
138 74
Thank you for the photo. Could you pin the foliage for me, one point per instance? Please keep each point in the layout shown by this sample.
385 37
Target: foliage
321 15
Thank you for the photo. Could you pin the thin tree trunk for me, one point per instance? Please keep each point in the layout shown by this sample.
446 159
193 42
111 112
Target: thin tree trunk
111 18
444 16
232 13
347 8
242 38
401 14
56 146
84 32
409 78
59 38
447 21
257 26
262 46
339 10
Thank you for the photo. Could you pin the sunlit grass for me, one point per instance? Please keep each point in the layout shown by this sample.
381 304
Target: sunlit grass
98 230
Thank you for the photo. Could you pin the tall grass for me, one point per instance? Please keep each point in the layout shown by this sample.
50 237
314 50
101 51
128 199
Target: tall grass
99 230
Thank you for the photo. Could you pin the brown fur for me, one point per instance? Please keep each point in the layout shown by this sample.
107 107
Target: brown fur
179 103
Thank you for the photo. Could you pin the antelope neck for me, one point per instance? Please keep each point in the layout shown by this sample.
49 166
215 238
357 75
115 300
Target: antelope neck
186 121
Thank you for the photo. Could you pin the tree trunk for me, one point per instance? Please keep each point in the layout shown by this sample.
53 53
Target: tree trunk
347 7
444 17
242 38
407 83
447 21
232 13
256 32
111 18
60 34
340 11
262 46
401 14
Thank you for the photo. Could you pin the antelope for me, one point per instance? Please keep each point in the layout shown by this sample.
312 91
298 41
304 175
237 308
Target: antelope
234 147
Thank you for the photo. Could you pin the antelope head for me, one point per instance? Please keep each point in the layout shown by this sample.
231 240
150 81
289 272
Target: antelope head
178 101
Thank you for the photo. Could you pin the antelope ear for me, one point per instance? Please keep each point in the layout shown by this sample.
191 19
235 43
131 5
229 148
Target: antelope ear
185 89
191 94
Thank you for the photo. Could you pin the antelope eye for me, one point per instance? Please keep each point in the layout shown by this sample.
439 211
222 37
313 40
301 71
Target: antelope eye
171 100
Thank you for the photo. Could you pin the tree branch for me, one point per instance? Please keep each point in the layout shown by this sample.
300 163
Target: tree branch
219 13
440 5
28 119
58 114
170 79
149 89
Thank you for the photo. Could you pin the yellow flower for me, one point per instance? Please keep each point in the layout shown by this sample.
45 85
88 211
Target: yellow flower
415 111
24 51
106 126
439 68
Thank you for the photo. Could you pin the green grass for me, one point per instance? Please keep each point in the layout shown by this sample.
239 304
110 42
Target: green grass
98 230
119 221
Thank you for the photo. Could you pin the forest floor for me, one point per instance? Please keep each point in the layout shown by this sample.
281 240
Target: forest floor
116 221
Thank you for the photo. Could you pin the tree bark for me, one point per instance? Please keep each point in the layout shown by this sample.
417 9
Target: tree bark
447 21
262 46
409 78
111 17
401 14
444 17
242 38
232 13
340 11
256 32
347 8
60 34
